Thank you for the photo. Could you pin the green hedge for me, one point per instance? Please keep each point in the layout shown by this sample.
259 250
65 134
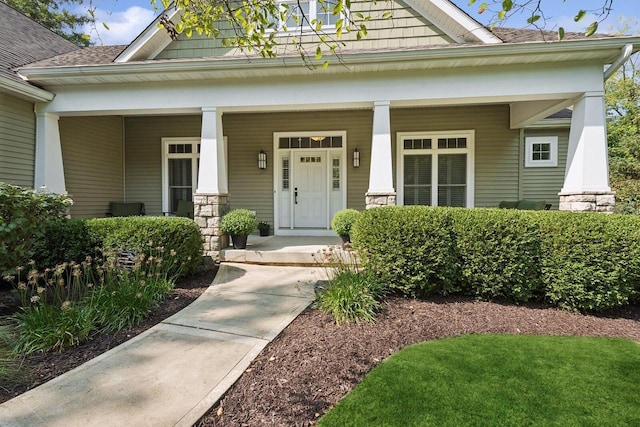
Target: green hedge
499 253
181 235
575 261
411 249
63 241
590 261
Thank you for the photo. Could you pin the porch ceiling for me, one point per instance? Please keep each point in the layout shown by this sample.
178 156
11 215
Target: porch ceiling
601 51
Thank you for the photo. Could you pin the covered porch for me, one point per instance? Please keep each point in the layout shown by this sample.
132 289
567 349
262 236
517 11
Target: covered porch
465 132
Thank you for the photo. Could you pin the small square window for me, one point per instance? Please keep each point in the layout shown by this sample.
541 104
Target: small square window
541 151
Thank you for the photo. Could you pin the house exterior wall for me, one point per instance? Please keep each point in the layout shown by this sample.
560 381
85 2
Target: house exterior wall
496 146
406 29
143 154
247 134
499 168
17 141
545 183
92 155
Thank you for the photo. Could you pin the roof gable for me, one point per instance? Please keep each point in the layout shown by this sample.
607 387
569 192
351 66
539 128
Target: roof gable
415 23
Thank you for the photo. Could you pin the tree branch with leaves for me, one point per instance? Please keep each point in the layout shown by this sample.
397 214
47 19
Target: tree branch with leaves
502 10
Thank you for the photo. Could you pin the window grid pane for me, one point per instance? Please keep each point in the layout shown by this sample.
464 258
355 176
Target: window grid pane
452 142
180 182
285 173
452 179
417 180
323 13
541 151
335 174
417 144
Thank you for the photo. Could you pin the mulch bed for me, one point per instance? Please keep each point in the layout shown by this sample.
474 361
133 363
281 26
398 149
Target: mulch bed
313 363
42 367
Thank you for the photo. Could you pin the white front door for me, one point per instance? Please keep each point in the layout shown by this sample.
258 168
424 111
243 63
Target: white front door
310 189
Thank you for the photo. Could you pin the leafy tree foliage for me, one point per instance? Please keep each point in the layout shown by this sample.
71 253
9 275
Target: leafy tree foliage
534 10
623 104
55 15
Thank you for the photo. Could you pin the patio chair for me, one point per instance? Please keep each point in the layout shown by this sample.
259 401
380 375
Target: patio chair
185 209
530 205
126 209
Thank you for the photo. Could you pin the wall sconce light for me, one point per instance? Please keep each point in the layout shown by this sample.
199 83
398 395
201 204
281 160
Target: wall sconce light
262 160
356 158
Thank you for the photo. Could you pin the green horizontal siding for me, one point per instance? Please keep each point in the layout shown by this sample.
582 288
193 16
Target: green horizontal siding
17 141
93 163
143 154
546 183
406 29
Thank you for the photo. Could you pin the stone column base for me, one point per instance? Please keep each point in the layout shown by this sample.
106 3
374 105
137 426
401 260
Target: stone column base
374 200
588 201
207 211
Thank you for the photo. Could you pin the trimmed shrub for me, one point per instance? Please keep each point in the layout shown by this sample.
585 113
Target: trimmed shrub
239 222
63 241
590 261
343 220
22 213
586 262
499 253
410 249
178 236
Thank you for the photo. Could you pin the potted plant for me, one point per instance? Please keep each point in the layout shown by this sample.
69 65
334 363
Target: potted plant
263 227
342 222
238 223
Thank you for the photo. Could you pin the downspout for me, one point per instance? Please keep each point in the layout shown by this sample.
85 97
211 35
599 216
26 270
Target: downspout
624 56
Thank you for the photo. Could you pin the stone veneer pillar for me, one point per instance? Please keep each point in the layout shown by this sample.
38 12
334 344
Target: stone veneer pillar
374 200
588 201
207 211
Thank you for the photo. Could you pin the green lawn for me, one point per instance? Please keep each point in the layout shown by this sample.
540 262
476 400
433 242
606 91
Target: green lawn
500 380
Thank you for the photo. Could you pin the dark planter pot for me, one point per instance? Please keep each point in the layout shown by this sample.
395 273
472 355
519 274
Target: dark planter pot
239 241
264 231
345 239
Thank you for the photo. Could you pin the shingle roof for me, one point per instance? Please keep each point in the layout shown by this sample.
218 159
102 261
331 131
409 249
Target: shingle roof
94 55
23 41
98 55
523 35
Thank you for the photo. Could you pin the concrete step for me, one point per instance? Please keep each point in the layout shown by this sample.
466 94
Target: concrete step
281 250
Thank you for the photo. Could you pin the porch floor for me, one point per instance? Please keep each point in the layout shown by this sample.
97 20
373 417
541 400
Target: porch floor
279 250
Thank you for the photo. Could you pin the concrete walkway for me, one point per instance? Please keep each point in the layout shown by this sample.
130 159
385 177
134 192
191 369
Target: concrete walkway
173 373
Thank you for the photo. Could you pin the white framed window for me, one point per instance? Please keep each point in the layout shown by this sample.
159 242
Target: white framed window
436 168
541 151
313 10
180 164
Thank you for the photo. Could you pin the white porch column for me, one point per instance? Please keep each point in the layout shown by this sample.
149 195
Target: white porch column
381 191
211 200
212 177
49 169
586 183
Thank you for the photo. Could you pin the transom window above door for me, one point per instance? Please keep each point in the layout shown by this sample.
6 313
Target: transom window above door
436 169
318 141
